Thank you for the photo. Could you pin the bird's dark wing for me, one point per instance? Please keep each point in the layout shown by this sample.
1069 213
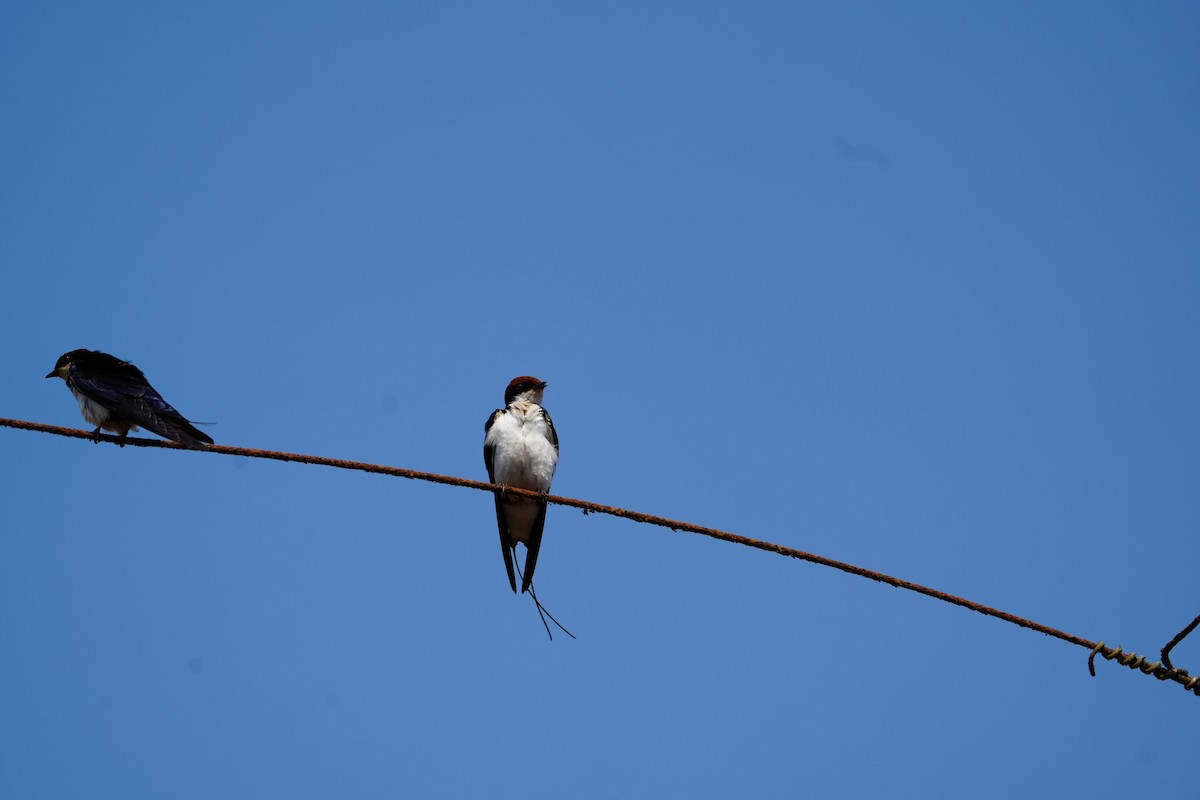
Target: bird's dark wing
551 433
506 543
125 392
534 545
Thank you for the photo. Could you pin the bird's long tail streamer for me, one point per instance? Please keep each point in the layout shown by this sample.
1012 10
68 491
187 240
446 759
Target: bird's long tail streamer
541 609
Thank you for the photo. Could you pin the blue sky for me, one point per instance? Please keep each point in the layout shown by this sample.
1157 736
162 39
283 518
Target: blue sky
911 286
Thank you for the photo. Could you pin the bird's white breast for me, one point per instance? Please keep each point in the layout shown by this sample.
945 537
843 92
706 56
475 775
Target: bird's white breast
92 411
524 455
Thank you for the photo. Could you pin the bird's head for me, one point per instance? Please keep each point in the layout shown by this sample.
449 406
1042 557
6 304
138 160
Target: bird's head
526 388
63 365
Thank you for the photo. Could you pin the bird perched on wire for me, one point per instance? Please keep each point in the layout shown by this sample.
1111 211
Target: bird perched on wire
520 448
115 395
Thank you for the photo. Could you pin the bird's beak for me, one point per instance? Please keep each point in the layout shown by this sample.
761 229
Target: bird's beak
51 374
543 385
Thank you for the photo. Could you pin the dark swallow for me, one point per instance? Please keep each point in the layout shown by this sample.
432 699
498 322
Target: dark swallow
115 395
520 448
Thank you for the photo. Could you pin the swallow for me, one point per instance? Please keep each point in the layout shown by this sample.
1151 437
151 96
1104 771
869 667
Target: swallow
520 448
115 395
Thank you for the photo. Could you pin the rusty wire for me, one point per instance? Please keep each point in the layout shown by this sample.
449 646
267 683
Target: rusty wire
1179 637
1131 660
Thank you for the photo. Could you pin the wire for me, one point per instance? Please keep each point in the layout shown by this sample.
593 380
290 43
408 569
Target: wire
1130 660
1179 637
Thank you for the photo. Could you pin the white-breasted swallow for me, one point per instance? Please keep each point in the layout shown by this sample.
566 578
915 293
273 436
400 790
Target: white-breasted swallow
520 448
115 395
